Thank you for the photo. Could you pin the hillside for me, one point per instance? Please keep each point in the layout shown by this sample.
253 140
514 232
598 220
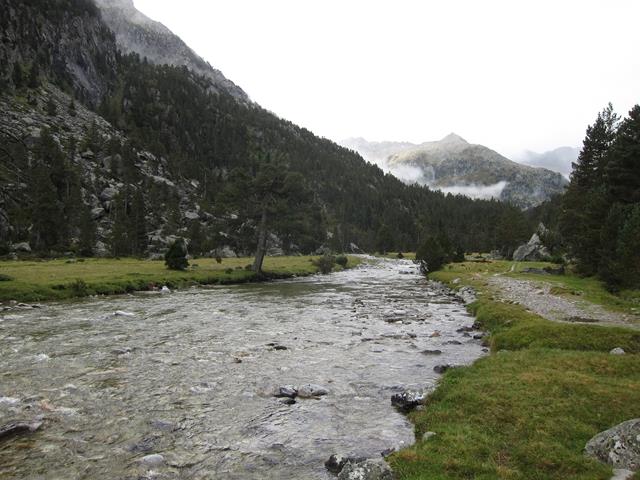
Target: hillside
109 153
452 164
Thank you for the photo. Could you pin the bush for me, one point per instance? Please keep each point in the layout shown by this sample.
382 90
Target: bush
400 255
342 260
176 257
5 278
325 263
79 288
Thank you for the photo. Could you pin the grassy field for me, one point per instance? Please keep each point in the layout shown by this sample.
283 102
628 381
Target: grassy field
527 410
58 279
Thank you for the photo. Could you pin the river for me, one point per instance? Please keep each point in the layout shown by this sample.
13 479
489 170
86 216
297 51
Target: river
188 376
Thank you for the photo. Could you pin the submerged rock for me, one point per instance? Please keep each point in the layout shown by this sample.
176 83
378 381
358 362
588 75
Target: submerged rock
408 400
18 427
619 446
442 368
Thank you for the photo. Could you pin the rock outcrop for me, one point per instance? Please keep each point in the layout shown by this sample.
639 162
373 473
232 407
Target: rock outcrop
619 446
534 250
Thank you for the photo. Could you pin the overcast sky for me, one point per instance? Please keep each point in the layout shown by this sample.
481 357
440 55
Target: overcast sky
511 75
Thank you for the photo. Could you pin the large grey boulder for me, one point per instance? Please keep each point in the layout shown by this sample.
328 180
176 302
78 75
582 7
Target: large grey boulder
21 247
619 446
532 251
366 470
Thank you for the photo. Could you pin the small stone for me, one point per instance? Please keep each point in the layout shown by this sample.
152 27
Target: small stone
427 435
286 391
287 401
441 368
617 351
153 460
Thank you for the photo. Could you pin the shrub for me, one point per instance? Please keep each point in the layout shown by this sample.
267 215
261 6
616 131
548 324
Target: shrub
176 257
342 260
5 278
325 263
400 255
430 255
79 288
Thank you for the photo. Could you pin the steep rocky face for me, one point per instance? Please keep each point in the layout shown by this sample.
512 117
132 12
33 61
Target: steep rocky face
100 171
81 55
137 33
454 165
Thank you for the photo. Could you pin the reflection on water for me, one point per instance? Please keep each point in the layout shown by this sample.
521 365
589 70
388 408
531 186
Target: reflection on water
188 376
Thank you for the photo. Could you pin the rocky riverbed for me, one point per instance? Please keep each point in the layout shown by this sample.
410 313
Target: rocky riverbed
190 384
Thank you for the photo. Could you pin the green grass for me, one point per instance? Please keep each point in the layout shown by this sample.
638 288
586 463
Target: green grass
526 411
57 279
522 415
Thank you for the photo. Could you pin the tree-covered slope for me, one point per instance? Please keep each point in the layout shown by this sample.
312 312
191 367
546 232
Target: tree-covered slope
152 159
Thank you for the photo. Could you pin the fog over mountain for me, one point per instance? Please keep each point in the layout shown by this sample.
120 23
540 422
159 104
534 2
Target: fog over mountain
455 166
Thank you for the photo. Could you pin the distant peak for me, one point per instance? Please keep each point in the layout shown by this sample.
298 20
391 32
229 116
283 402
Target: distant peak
453 138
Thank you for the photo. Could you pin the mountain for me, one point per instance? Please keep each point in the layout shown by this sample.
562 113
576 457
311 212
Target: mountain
107 152
137 33
455 166
558 160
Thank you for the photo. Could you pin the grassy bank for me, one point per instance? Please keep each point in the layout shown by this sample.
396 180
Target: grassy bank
526 410
29 281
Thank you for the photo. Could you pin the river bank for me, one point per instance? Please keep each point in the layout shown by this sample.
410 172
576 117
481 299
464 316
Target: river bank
35 281
528 409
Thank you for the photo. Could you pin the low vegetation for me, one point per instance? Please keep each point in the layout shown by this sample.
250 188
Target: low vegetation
527 410
31 281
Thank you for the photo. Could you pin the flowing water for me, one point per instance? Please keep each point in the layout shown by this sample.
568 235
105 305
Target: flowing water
188 376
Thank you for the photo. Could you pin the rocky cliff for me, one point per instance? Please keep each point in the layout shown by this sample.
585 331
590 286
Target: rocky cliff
137 33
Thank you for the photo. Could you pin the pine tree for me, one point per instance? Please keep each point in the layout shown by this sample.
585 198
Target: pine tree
17 75
585 203
176 256
622 172
87 229
628 251
34 76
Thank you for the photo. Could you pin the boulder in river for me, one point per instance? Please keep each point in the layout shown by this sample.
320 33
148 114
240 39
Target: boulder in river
370 469
408 400
619 446
312 391
337 461
288 391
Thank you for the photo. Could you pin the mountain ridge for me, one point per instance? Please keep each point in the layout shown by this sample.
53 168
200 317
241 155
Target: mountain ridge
454 165
137 33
